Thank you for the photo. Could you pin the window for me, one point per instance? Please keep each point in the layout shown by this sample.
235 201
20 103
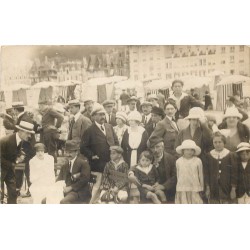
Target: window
223 50
200 62
242 73
144 59
159 74
136 77
232 71
223 62
204 61
231 59
151 58
232 49
144 76
167 65
135 61
241 61
242 48
151 68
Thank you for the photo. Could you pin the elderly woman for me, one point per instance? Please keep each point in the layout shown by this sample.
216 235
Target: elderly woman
134 140
197 131
167 128
121 127
233 129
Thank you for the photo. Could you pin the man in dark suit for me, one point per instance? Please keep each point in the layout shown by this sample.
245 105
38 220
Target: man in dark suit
76 174
79 123
95 145
165 165
110 115
89 106
22 115
146 108
15 150
51 122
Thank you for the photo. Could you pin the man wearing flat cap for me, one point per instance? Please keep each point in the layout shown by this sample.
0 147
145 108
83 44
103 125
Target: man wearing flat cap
89 105
76 174
97 140
15 152
51 122
110 116
165 165
79 123
146 108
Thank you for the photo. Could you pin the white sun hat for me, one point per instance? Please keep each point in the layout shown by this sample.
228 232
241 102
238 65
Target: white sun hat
232 112
188 144
134 116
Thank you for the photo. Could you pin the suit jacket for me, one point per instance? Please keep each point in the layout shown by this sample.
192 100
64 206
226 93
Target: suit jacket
79 127
10 151
49 117
95 142
112 120
88 115
166 130
186 104
80 185
243 185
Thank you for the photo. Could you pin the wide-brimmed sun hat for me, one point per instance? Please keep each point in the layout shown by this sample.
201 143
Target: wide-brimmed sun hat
134 116
232 112
121 115
195 113
188 144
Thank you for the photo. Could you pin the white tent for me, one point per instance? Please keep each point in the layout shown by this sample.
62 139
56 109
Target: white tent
195 81
233 79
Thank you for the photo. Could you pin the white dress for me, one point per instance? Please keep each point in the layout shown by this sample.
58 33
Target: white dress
42 177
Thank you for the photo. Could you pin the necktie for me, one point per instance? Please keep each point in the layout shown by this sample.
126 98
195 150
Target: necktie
145 121
109 118
70 165
71 128
102 128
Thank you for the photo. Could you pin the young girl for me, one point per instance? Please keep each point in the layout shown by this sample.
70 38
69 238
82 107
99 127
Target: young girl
243 186
42 174
121 120
189 174
221 172
147 176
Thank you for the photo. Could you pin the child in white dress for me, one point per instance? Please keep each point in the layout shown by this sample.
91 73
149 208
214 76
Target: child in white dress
189 169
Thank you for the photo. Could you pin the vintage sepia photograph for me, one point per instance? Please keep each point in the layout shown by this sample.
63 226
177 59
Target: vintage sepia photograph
125 124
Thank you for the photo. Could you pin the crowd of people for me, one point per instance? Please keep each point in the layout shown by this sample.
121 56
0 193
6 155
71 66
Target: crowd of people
162 150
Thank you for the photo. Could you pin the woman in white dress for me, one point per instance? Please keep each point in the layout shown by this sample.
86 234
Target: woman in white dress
42 174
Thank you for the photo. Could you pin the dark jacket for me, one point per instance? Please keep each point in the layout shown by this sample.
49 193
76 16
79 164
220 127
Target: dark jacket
148 126
112 120
94 142
9 122
128 150
243 185
80 185
186 104
49 118
166 130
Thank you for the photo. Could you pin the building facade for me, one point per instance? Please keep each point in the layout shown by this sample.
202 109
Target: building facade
170 62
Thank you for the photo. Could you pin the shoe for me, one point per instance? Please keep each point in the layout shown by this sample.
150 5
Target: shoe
26 195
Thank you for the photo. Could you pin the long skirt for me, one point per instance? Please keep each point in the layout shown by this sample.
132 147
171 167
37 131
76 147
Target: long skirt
188 198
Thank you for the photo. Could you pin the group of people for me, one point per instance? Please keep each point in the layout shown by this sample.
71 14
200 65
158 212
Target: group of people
160 151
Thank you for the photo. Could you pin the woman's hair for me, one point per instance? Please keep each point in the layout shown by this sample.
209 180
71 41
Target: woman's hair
171 102
147 154
219 134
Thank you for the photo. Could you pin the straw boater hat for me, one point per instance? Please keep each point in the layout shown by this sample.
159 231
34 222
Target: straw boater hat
195 113
188 144
232 112
243 146
134 116
122 115
26 126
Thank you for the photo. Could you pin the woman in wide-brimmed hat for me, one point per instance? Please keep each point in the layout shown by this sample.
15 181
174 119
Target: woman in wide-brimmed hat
134 140
233 129
189 171
197 131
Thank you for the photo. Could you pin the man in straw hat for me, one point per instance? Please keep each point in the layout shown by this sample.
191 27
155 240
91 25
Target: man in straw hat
79 123
15 149
95 145
76 174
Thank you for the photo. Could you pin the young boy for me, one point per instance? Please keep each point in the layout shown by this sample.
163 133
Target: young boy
243 187
114 184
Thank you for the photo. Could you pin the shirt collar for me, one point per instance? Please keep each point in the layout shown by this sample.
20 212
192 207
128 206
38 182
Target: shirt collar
76 116
148 116
18 139
170 118
215 154
172 96
99 126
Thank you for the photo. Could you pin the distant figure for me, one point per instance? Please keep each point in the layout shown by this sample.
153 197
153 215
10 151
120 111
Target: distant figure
196 96
161 99
124 98
208 101
192 92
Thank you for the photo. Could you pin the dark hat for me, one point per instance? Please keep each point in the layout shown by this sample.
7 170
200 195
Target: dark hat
17 105
118 149
158 111
72 145
39 146
132 98
108 102
47 102
154 141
